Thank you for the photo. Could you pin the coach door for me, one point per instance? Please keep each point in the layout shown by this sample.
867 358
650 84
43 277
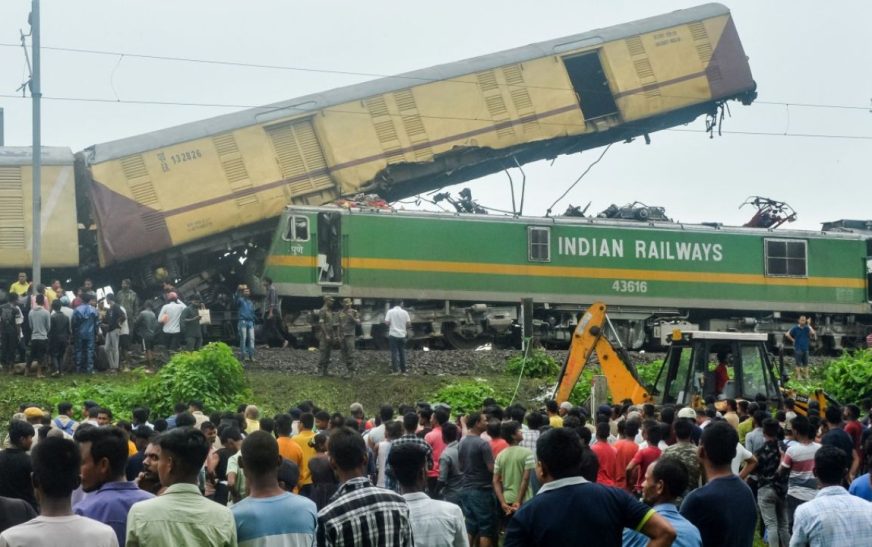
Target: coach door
329 252
591 86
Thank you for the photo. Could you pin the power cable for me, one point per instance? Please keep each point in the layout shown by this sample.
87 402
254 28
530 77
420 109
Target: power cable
571 186
379 75
450 118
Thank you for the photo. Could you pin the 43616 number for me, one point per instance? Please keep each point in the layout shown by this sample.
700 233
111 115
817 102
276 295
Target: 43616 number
630 286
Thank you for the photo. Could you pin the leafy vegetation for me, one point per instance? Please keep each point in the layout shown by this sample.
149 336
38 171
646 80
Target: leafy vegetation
849 378
538 364
272 391
581 392
466 396
212 375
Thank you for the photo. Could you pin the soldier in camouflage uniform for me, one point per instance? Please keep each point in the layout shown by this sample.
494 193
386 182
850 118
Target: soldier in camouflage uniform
349 319
685 451
327 333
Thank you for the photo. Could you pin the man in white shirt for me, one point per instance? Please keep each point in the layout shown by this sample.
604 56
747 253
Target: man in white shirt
434 523
55 475
169 317
397 319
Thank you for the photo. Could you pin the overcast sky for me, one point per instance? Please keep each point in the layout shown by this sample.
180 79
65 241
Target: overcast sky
807 52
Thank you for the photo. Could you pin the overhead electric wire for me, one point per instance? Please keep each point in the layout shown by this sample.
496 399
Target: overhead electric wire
450 118
122 54
571 186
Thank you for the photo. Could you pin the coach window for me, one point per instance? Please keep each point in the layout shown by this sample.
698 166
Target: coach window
539 244
786 257
298 229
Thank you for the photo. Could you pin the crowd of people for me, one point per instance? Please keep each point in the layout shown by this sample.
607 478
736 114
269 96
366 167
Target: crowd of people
47 329
424 475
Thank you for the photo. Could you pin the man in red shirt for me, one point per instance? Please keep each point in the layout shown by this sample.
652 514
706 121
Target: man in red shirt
722 375
494 431
625 449
605 454
645 456
434 439
853 427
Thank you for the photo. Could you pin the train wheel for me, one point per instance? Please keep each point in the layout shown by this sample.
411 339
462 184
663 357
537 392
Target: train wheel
457 339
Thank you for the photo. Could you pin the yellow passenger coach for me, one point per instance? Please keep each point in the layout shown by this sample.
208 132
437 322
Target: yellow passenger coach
60 242
401 135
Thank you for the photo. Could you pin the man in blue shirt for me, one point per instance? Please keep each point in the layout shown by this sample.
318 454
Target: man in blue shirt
569 510
862 485
665 480
799 336
723 510
268 511
85 322
104 462
245 309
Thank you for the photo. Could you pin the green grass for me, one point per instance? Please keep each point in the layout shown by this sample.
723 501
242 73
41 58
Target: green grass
274 391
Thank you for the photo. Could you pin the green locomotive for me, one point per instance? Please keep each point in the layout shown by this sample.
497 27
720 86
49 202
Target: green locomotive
463 276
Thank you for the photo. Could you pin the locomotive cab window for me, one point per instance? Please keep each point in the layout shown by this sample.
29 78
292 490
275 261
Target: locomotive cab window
298 229
539 244
786 258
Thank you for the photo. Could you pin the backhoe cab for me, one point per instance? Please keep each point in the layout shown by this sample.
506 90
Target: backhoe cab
688 374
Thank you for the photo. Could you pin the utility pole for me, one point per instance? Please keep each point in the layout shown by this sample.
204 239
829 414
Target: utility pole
36 95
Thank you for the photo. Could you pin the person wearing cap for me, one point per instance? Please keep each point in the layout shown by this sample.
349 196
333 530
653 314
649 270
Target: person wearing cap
85 324
689 414
190 324
327 333
112 324
356 410
564 409
169 316
349 320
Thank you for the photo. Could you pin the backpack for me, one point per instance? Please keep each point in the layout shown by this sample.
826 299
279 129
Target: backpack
7 318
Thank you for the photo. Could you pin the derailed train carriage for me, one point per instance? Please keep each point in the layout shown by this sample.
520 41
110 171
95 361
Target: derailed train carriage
464 287
188 202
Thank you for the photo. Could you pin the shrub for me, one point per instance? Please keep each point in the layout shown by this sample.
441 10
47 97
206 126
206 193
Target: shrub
581 392
213 375
849 378
648 372
467 396
538 364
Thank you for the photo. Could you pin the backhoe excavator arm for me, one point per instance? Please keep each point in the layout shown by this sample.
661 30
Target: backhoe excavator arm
587 339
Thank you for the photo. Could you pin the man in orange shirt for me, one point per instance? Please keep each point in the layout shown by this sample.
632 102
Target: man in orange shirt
288 449
304 440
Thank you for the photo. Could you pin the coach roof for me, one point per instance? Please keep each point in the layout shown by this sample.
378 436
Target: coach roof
99 153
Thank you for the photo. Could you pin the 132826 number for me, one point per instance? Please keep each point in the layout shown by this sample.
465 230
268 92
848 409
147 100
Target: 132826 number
629 286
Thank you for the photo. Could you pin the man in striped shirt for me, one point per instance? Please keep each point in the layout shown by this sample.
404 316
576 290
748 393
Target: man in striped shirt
360 514
799 462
